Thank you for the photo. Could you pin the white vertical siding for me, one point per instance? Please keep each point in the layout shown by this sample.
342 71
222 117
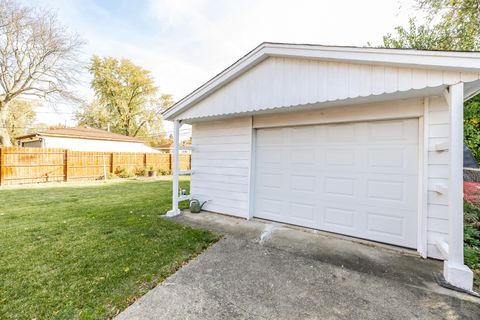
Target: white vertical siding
437 203
282 82
221 165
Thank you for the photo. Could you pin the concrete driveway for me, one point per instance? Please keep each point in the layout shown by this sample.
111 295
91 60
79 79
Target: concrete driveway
267 271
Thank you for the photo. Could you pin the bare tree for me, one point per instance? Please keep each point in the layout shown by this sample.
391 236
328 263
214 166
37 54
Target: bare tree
38 57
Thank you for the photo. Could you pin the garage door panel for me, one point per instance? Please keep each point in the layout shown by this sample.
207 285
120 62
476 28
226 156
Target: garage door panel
344 157
302 156
302 211
391 191
299 196
405 131
341 133
270 180
358 179
401 160
303 135
340 218
386 225
269 156
270 137
391 228
271 207
386 190
303 183
339 186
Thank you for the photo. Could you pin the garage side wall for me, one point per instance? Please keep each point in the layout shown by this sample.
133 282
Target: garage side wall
437 172
221 164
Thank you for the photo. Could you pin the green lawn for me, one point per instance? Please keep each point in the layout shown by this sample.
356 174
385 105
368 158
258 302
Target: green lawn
87 251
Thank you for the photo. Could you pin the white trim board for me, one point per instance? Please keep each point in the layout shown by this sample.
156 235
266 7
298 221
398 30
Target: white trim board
367 112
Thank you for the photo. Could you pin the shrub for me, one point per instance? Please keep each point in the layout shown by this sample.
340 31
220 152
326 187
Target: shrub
111 176
472 238
124 172
472 126
472 213
471 257
141 171
163 172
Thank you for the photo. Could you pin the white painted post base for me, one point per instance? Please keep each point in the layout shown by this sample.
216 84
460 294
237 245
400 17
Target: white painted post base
172 213
454 270
459 276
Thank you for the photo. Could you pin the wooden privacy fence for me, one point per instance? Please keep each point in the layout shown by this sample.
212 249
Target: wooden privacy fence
20 165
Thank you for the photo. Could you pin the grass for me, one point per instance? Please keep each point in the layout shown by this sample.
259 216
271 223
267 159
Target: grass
88 251
472 239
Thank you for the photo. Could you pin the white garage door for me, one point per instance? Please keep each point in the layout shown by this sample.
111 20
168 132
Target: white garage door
358 179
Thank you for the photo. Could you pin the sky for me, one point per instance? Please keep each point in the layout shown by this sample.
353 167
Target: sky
184 43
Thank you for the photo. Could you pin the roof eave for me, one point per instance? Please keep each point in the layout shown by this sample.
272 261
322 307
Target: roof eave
445 60
86 137
27 136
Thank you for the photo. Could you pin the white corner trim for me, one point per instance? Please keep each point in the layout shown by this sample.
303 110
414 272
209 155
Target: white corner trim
423 123
251 173
454 269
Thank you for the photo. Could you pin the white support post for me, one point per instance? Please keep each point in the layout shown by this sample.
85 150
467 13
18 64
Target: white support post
175 196
454 269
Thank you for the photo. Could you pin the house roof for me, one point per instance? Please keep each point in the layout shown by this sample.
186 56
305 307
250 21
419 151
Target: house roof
81 133
165 145
409 58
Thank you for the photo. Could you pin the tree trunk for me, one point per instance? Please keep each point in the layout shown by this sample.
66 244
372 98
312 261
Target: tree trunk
4 135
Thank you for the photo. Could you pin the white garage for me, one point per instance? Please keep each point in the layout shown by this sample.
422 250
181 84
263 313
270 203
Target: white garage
361 142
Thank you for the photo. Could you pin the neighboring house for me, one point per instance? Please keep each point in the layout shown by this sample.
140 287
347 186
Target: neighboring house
165 147
168 148
364 142
83 139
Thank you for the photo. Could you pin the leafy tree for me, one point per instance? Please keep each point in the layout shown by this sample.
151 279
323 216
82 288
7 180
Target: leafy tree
471 126
20 117
126 100
450 25
414 36
93 115
457 22
38 57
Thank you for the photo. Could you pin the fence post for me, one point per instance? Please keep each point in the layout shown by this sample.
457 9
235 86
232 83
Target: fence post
65 165
170 162
145 160
112 165
2 165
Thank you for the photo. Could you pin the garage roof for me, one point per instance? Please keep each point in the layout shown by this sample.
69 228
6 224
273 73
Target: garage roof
288 75
81 132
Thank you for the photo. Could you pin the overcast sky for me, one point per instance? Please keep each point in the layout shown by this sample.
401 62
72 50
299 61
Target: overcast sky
186 42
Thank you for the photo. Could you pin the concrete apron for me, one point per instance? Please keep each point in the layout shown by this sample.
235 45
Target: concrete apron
272 271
